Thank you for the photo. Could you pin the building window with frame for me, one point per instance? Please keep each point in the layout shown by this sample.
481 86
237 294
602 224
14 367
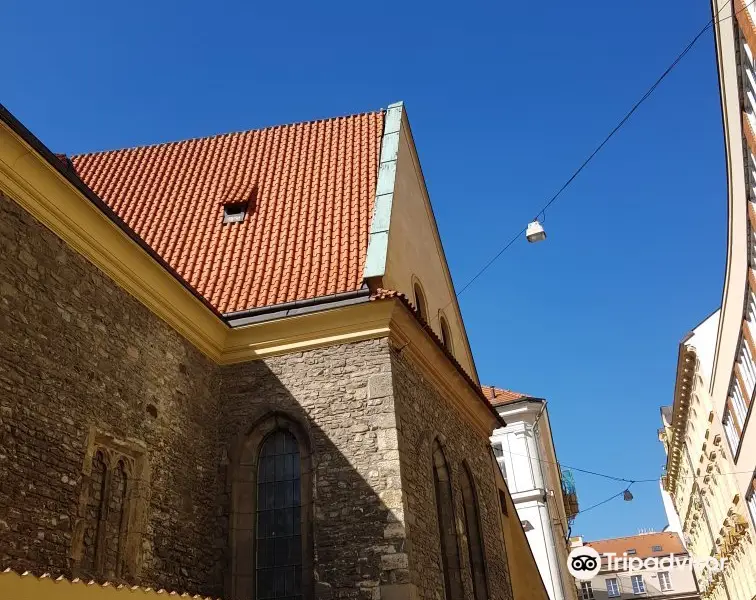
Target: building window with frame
612 587
278 552
731 433
586 590
474 537
503 503
665 581
639 586
420 305
751 500
447 528
751 312
446 334
747 368
738 401
271 507
748 81
498 451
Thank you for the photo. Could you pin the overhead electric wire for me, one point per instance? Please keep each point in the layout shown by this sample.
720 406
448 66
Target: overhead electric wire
554 198
598 148
615 477
621 493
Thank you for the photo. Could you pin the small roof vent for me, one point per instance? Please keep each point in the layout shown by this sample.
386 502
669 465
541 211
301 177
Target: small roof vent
235 212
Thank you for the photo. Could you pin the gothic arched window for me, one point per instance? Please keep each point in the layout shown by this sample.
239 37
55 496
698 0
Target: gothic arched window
278 553
474 537
446 337
271 547
420 305
446 525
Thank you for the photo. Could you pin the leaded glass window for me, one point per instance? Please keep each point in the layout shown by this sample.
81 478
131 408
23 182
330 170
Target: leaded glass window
279 530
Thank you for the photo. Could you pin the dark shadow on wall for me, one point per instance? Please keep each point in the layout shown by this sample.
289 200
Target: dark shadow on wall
337 404
88 372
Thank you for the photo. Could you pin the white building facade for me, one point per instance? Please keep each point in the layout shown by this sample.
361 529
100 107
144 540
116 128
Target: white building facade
544 497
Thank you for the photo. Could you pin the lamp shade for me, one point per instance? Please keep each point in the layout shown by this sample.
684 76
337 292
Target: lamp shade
535 233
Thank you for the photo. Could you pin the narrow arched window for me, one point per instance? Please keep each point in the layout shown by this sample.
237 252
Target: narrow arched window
271 512
446 525
94 533
446 334
474 538
116 524
278 568
422 309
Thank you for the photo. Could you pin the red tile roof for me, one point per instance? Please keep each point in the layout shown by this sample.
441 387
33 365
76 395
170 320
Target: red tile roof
499 396
643 544
311 188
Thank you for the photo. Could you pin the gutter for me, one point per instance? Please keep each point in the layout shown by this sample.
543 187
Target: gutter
296 307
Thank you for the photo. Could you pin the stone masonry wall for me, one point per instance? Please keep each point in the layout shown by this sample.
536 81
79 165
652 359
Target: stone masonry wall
103 404
424 415
77 353
343 398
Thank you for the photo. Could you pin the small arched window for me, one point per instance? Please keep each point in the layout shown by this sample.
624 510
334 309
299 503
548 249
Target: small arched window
446 334
422 308
474 537
446 525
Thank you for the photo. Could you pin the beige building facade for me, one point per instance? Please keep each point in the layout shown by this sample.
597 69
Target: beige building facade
700 487
708 435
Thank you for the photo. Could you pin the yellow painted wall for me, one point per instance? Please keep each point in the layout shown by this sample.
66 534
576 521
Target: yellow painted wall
415 251
523 570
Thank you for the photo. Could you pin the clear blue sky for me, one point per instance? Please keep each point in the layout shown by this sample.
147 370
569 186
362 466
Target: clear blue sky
505 100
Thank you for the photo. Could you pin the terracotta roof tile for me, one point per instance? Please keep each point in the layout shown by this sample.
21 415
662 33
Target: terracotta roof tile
311 188
499 396
643 544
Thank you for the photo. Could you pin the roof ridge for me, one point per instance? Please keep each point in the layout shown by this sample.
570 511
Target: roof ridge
227 134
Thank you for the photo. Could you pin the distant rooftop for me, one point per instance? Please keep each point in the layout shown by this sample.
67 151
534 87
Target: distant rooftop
660 543
499 396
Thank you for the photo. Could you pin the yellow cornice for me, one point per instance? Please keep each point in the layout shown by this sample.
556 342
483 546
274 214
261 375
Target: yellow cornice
683 386
352 323
29 179
418 347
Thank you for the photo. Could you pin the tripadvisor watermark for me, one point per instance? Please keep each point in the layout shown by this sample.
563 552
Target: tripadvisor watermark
669 561
584 562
